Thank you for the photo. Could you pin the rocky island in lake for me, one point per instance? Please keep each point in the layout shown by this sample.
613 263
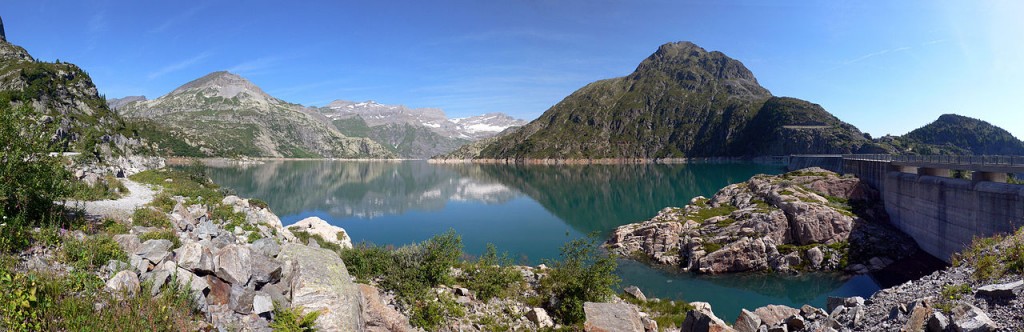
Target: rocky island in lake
807 220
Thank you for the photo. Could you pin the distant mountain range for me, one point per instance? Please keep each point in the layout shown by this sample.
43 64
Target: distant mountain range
223 114
413 133
684 101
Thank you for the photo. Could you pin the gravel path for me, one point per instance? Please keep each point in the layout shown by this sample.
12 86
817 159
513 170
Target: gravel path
122 208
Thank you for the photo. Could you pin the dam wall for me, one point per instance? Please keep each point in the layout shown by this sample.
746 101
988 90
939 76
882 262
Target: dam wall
944 215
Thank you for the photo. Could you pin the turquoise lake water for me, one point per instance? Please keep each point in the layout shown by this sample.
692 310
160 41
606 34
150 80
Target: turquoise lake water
528 211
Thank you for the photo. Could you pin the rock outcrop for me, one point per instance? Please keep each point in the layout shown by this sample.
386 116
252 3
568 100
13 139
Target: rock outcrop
320 227
810 219
320 282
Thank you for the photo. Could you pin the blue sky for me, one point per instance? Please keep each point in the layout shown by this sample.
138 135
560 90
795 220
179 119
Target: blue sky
885 66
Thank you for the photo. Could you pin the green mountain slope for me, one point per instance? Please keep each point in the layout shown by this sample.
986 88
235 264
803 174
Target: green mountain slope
792 126
957 134
67 97
682 101
223 114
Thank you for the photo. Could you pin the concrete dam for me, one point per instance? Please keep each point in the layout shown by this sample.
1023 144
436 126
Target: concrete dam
941 213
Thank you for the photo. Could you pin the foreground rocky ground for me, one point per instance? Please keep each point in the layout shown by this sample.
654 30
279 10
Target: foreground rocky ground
807 220
972 296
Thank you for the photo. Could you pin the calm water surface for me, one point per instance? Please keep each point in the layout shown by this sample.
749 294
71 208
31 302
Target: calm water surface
528 211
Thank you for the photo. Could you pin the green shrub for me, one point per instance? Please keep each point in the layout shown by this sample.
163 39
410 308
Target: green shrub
258 203
442 253
30 180
181 184
367 261
93 252
304 238
162 234
113 226
163 202
666 313
43 302
107 187
430 314
584 274
148 217
492 275
293 320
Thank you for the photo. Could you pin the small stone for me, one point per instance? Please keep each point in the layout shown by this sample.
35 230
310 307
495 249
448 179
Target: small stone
158 278
128 242
635 293
855 301
233 263
262 303
795 323
124 281
265 271
937 322
266 247
1000 291
220 291
462 291
242 299
154 250
747 322
815 256
540 317
969 318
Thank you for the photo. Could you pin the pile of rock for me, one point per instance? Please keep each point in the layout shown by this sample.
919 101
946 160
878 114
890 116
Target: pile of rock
933 303
237 284
792 222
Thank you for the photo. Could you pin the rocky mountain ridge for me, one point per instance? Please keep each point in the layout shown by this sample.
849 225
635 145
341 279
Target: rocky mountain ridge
223 114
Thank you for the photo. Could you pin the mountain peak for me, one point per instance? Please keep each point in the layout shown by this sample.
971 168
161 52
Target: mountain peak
695 68
222 84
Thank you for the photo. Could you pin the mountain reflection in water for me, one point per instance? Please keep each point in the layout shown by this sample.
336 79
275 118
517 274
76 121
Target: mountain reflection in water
526 210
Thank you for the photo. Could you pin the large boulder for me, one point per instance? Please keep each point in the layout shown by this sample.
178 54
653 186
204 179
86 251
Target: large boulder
611 317
773 314
154 250
233 263
124 282
702 319
320 282
968 318
330 233
377 315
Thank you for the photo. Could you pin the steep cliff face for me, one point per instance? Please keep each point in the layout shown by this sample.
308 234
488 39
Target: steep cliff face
66 96
223 114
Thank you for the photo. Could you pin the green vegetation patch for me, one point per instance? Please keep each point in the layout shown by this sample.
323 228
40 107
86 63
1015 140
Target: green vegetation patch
188 183
108 187
705 213
148 217
92 252
666 313
995 256
163 234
